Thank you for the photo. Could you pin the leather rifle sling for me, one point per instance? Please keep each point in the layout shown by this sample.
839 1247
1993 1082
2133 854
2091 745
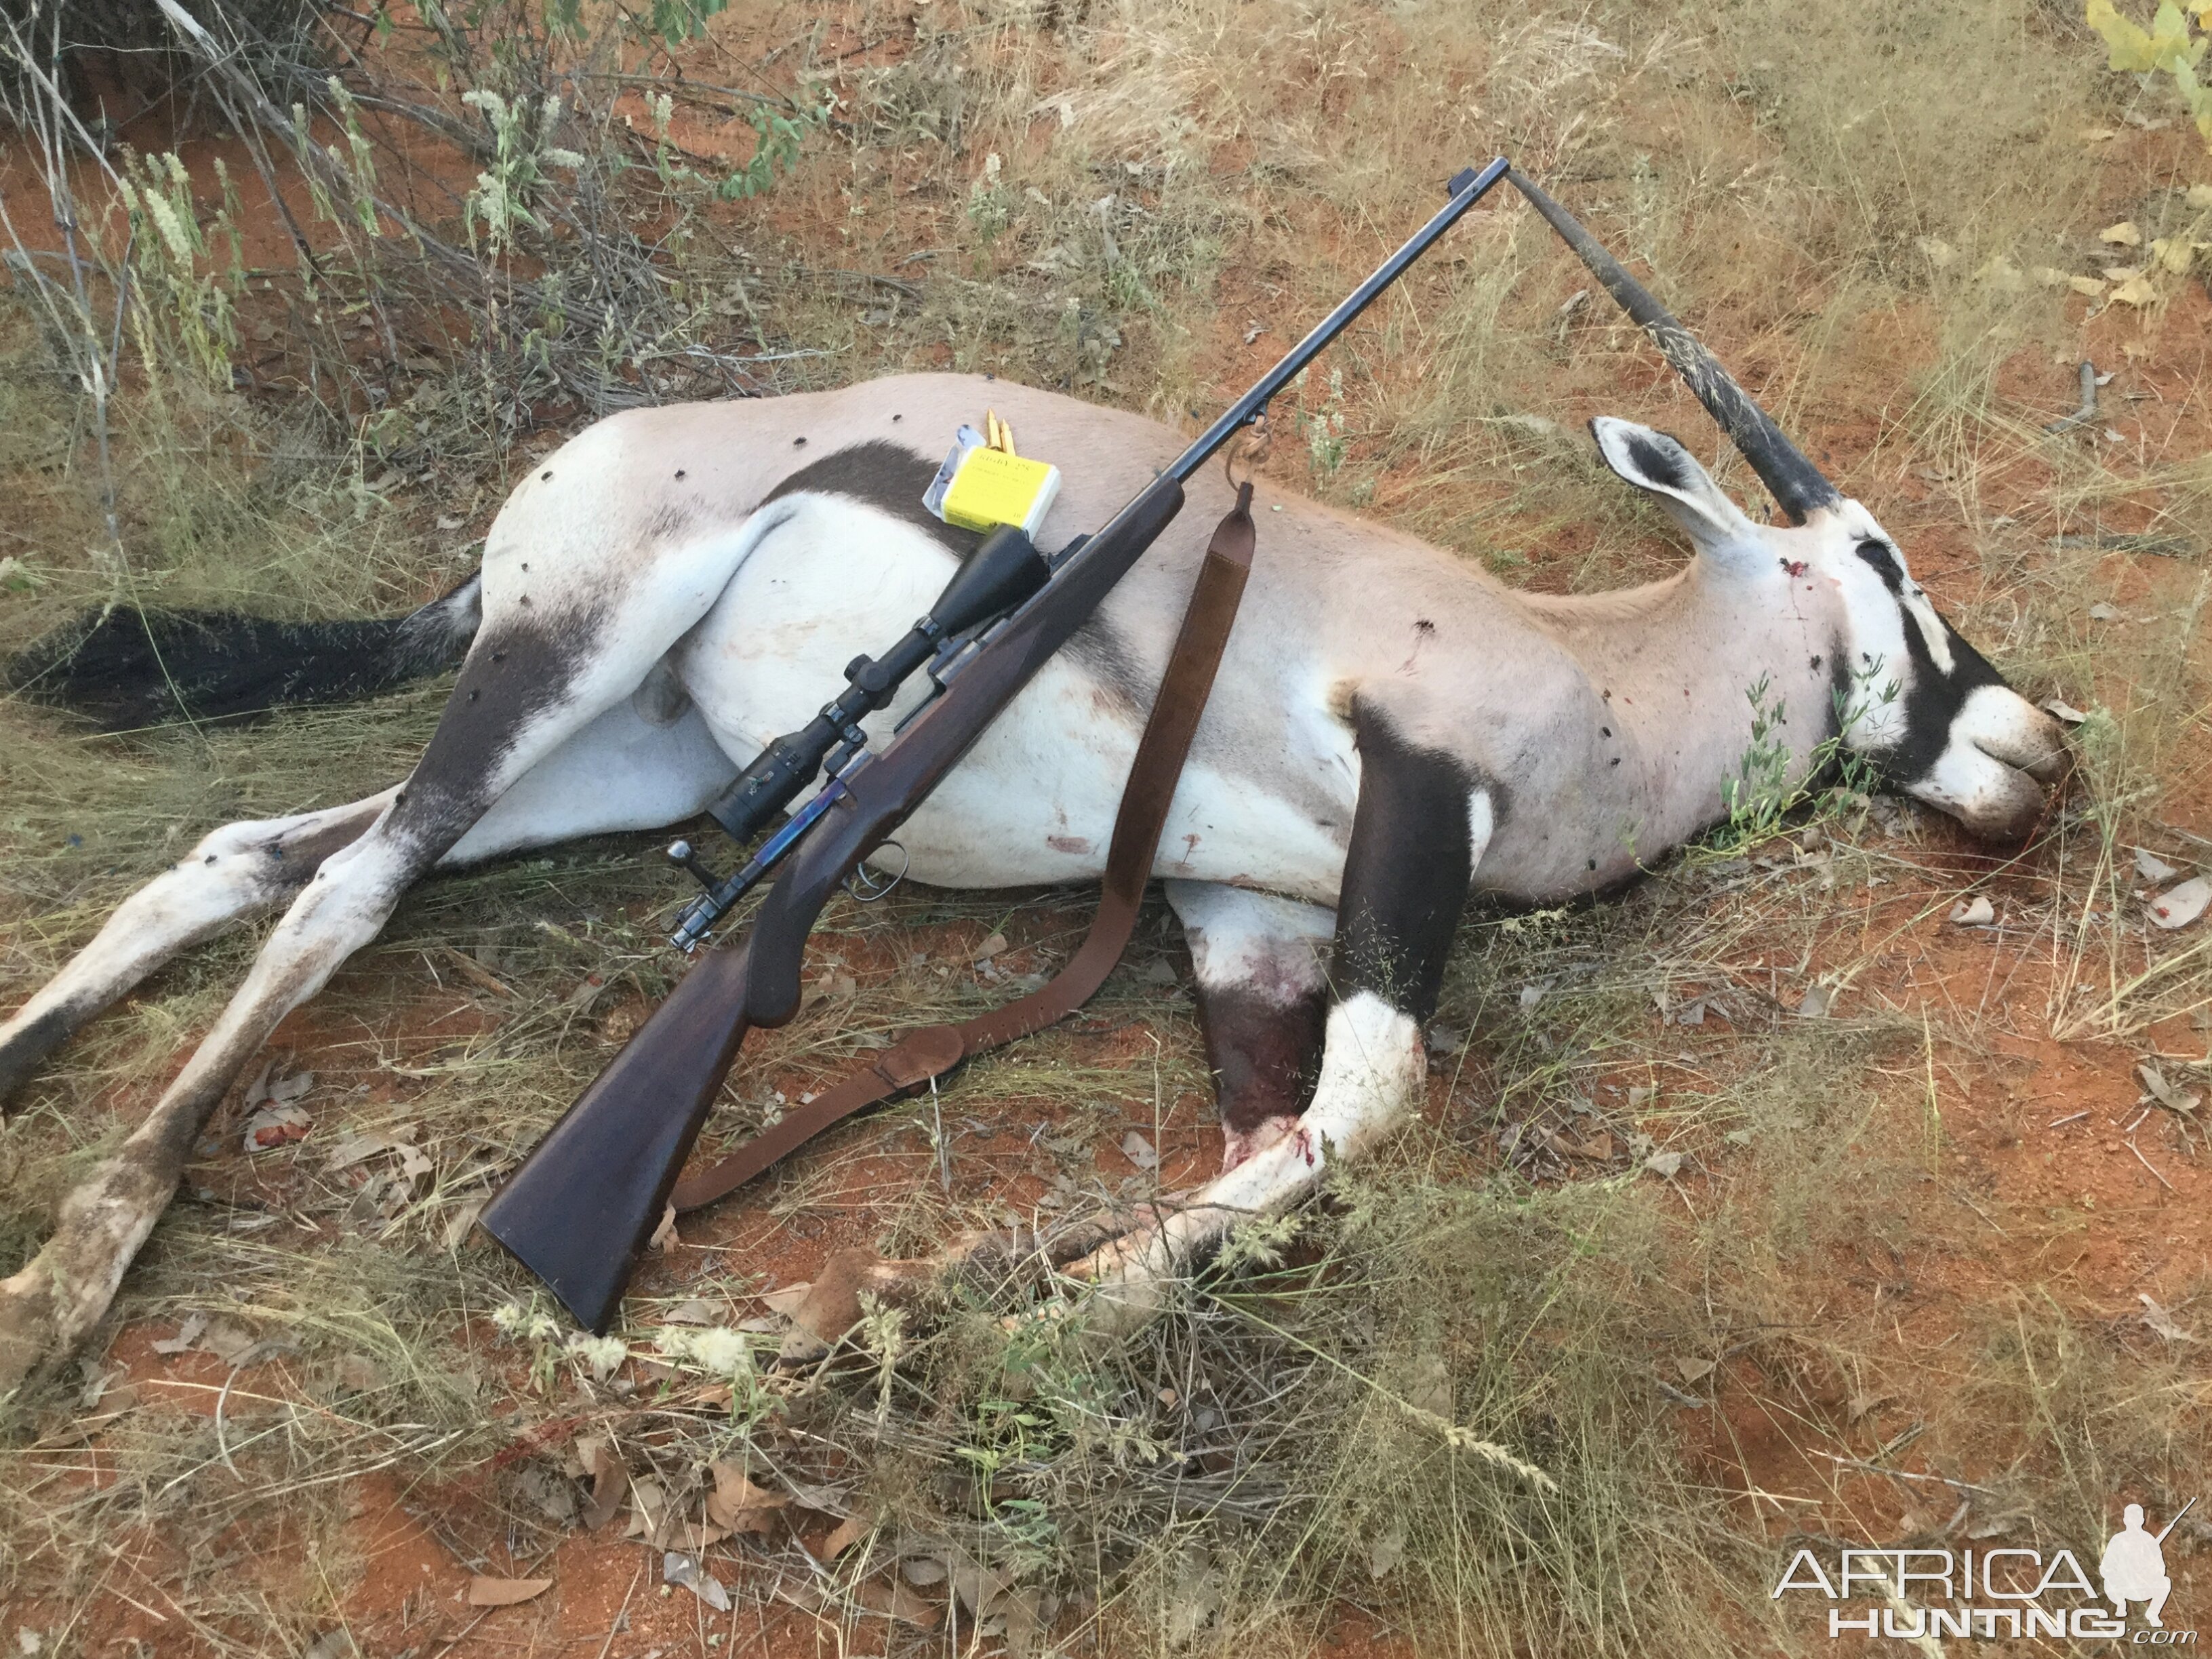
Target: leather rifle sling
924 1054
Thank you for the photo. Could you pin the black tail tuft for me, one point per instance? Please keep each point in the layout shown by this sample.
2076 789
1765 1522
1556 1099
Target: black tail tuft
126 669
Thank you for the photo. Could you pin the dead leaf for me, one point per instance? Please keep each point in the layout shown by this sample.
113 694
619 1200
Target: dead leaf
2174 254
1861 1404
899 1602
276 1126
990 947
2102 613
1977 912
2178 907
2164 1093
187 1334
505 1592
1669 1164
665 1236
835 986
358 1372
2152 868
1428 1385
227 1342
2123 234
1693 1370
1387 1548
463 1219
697 1311
2161 1322
648 1502
739 1504
2137 290
2200 196
848 1532
677 1568
609 1483
923 1570
788 1300
1139 1151
2089 285
1025 1623
291 1088
2059 708
1816 1003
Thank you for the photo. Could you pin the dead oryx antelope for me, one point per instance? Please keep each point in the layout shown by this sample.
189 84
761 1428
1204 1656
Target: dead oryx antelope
1391 731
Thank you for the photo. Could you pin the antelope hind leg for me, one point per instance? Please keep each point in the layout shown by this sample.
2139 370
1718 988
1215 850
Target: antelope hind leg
233 873
473 760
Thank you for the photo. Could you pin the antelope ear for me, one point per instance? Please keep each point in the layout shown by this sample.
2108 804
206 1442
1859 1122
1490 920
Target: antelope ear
1661 467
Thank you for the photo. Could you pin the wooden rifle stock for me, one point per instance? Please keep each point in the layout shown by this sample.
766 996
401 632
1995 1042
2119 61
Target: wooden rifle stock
590 1195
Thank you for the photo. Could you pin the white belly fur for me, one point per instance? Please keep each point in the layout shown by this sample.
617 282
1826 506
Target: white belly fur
1034 802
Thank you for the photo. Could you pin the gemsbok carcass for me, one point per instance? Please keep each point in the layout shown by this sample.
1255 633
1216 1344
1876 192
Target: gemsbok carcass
1391 730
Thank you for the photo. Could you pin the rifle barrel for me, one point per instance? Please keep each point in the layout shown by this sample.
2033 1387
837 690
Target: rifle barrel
1468 189
2176 1522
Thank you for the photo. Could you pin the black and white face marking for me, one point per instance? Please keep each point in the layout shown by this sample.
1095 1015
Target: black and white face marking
1915 698
1925 705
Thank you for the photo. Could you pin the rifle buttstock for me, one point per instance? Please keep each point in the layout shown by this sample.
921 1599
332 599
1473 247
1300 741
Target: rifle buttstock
591 1194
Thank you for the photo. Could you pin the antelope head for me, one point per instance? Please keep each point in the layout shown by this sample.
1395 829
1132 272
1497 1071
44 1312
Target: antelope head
1919 701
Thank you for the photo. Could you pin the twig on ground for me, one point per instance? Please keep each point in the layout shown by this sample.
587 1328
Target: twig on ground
2087 411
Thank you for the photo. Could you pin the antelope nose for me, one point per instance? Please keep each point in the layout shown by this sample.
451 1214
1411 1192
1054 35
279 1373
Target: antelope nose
2006 726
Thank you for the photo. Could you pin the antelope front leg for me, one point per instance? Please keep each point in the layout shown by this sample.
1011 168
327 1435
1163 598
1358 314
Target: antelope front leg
1371 1075
1420 827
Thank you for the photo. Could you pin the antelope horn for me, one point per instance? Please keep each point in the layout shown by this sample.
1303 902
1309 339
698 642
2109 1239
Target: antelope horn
1794 483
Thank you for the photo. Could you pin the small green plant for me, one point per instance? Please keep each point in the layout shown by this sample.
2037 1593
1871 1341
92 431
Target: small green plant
2169 48
1763 794
990 203
1324 432
506 193
185 294
777 140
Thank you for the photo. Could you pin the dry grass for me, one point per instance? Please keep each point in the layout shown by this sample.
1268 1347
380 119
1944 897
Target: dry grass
1828 196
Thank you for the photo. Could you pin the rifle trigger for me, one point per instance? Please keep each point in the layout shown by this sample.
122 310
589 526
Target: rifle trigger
866 888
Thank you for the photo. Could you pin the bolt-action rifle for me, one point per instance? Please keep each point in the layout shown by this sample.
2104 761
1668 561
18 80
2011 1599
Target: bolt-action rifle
588 1197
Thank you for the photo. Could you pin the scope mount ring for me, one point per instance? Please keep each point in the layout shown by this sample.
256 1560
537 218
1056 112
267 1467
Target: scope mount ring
864 886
